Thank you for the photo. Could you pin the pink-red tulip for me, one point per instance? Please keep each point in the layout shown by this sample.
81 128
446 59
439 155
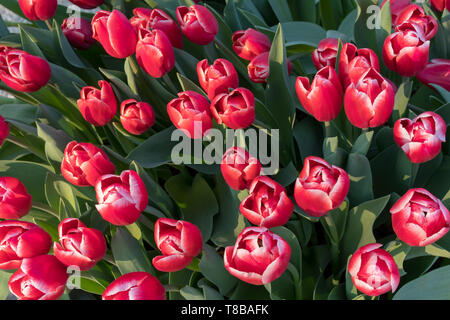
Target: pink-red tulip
98 107
179 241
354 62
326 53
258 68
258 257
250 43
19 240
218 77
87 4
323 98
373 270
78 32
320 187
135 286
15 201
136 117
422 137
440 5
140 18
4 130
397 6
416 15
121 199
197 23
38 9
437 71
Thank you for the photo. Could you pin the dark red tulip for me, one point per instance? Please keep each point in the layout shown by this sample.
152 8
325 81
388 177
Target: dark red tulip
38 9
326 53
98 107
87 4
4 130
135 286
354 62
258 68
78 32
197 23
437 71
239 168
250 43
416 15
218 77
15 201
136 117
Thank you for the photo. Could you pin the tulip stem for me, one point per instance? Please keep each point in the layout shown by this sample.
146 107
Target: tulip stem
171 288
49 25
296 277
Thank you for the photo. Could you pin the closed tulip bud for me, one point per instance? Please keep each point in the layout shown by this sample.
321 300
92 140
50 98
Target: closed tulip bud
19 240
38 9
22 71
179 242
267 204
218 77
437 71
190 112
15 201
250 43
154 52
197 23
422 137
239 168
373 270
326 53
258 68
354 62
235 109
115 33
440 5
136 117
397 6
98 107
78 32
121 199
258 257
4 130
87 4
369 102
320 187
135 286
39 278
323 98
78 245
416 15
160 20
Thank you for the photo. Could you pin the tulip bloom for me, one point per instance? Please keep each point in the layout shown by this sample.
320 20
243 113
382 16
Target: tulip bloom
323 99
121 199
190 112
218 77
140 18
15 201
258 68
197 23
267 204
19 240
326 53
135 286
354 62
320 187
39 278
22 71
250 43
154 52
437 71
416 15
87 4
179 241
115 33
369 102
38 9
397 6
78 245
239 168
235 109
440 5
98 107
78 32
4 130
136 117
420 138
373 270
258 257
160 20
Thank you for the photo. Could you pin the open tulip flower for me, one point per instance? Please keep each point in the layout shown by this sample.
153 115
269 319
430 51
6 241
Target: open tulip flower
239 168
354 62
397 7
326 53
415 14
135 286
197 23
250 43
218 77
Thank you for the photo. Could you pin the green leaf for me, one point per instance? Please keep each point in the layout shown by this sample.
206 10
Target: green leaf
190 293
401 99
29 44
91 286
308 134
310 36
347 25
231 16
365 37
331 13
188 85
398 250
281 10
362 144
68 53
4 278
24 113
360 175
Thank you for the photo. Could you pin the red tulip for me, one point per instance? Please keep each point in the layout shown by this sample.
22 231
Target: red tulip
440 5
320 187
38 9
4 130
140 18
22 71
420 138
87 4
190 112
397 6
437 71
78 32
369 102
354 62
239 168
39 278
154 52
250 43
19 240
218 77
258 68
416 15
135 286
179 241
115 33
15 201
258 257
267 204
323 99
373 270
98 107
197 23
121 199
162 21
78 245
326 53
136 117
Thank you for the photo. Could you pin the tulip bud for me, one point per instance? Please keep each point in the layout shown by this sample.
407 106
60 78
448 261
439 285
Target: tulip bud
397 6
136 117
22 71
323 99
140 18
250 43
4 130
258 257
98 107
267 204
373 270
414 14
121 199
160 20
38 9
15 201
39 278
437 71
179 241
326 53
78 32
19 240
420 138
87 4
239 168
190 112
135 286
115 33
440 5
320 187
369 102
197 23
154 52
258 68
218 77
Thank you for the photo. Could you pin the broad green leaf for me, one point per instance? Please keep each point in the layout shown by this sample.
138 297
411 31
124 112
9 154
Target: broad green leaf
4 278
308 135
360 175
401 99
331 13
399 251
281 10
363 142
365 37
190 293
